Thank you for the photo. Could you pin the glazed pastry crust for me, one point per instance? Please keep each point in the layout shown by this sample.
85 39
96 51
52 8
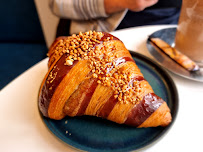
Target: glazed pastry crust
161 117
99 79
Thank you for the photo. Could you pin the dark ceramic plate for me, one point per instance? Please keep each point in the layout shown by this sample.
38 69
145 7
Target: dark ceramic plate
168 35
95 134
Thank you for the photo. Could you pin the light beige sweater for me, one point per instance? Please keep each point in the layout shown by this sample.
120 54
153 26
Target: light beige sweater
86 15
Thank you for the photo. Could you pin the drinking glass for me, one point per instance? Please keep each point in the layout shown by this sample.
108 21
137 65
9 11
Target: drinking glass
189 35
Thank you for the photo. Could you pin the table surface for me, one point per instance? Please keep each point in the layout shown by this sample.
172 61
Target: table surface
22 129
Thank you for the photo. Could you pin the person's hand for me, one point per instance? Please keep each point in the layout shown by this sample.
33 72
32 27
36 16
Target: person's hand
138 5
113 6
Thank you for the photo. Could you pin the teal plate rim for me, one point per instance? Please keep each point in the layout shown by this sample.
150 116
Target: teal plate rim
87 133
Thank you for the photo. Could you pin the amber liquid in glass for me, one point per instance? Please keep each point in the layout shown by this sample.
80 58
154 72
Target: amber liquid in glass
189 35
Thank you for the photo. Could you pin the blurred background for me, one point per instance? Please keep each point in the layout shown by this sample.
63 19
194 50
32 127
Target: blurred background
22 43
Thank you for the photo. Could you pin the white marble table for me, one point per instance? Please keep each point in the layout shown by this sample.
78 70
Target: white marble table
21 128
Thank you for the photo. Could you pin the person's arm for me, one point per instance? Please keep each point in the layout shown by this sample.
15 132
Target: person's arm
113 6
91 9
78 9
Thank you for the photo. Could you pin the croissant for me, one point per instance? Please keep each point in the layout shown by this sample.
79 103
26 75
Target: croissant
93 73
